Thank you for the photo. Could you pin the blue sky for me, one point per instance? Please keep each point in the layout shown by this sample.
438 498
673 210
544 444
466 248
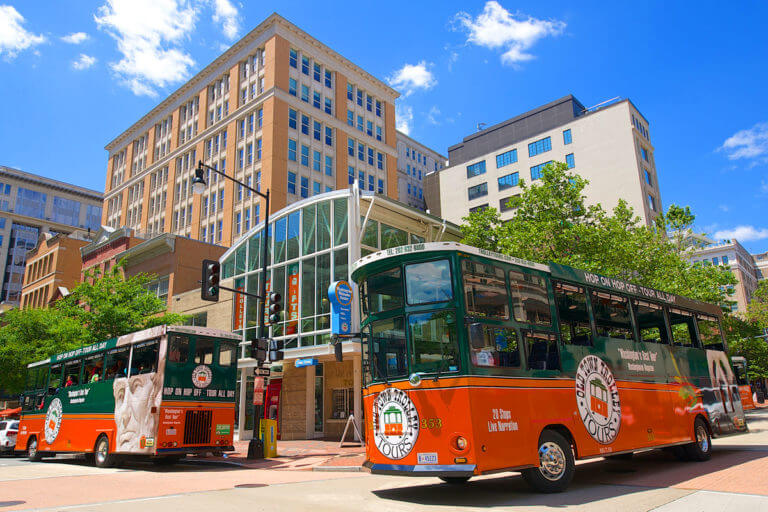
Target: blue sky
73 75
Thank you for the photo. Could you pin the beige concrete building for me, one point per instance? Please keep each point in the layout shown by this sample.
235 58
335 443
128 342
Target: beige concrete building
32 205
732 254
277 110
414 162
52 269
608 144
761 261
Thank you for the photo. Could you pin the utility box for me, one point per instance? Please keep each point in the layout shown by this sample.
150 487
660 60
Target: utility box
268 435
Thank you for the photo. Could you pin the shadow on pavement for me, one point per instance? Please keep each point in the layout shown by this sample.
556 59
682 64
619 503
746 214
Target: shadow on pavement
595 480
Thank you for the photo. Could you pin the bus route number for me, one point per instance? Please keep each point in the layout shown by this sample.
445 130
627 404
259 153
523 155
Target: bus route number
431 423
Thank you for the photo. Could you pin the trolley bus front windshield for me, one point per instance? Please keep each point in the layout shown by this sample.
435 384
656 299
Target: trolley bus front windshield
430 322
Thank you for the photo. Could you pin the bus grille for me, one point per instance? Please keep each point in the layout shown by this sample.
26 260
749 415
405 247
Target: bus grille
197 427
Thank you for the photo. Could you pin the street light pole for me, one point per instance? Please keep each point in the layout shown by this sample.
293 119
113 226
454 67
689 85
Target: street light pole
198 186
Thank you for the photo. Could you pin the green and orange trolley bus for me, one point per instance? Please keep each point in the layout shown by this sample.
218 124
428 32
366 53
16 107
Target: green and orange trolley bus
478 362
160 393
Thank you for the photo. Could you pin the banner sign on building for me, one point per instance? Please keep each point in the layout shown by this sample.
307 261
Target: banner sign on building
292 326
239 308
340 295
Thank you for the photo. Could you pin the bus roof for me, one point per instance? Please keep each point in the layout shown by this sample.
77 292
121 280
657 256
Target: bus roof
135 337
557 271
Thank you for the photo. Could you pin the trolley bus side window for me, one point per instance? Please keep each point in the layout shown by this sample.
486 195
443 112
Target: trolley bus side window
93 369
144 358
227 353
428 282
116 363
612 317
542 351
72 372
383 291
650 322
681 324
571 302
434 342
530 303
203 351
485 290
709 332
493 347
178 349
54 382
741 374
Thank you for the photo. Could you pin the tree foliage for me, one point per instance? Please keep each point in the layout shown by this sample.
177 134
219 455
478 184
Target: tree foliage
552 222
757 310
102 307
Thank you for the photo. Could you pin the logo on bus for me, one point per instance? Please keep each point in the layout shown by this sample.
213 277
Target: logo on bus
597 397
53 420
202 376
395 423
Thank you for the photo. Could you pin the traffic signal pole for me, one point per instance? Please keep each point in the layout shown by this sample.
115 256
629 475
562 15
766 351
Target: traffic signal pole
258 410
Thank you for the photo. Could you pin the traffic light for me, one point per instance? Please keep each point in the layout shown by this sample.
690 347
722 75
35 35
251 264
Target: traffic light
275 350
259 348
209 289
275 307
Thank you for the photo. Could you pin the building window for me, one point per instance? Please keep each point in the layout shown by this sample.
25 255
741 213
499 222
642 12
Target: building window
305 93
536 170
291 150
378 133
644 153
315 99
378 108
350 92
293 58
509 181
328 106
316 130
506 158
292 87
350 118
381 186
291 184
647 177
478 208
328 79
315 188
304 187
305 65
316 161
328 136
570 161
305 155
305 124
328 165
476 169
567 139
540 146
651 203
478 191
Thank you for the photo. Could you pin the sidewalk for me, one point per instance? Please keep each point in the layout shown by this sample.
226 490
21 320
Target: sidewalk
303 455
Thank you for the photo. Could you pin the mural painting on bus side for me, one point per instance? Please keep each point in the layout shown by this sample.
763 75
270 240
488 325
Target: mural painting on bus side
137 409
395 423
721 399
597 398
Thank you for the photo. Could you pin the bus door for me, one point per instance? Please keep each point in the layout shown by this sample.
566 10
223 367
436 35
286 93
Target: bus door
742 379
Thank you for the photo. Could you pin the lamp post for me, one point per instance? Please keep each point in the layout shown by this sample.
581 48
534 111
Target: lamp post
198 187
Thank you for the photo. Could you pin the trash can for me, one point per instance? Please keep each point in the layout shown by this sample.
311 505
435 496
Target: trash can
268 435
760 396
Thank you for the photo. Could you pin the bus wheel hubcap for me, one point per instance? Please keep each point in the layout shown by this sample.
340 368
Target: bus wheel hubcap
551 461
33 448
701 438
101 451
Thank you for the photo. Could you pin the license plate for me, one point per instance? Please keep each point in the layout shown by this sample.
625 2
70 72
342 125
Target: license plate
427 458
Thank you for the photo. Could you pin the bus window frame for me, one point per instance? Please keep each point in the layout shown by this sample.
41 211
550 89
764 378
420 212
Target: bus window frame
550 291
365 296
668 334
592 292
234 345
698 316
555 340
71 362
696 341
463 300
411 346
518 370
142 344
585 290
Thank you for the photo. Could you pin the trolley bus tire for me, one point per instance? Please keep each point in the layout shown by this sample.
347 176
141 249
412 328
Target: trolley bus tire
701 449
102 457
556 464
168 460
455 480
33 454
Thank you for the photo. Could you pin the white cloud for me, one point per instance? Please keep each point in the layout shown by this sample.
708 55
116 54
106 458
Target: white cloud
751 144
148 34
13 36
723 207
412 77
84 62
404 117
433 115
742 234
226 14
75 37
496 28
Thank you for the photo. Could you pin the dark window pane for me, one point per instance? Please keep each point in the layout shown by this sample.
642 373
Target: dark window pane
485 291
433 337
144 359
709 333
574 318
178 349
388 348
650 321
384 291
493 346
530 303
542 351
681 324
612 316
203 351
428 282
117 363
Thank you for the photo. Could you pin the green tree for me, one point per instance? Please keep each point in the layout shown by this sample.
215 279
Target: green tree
755 351
102 307
110 305
552 222
757 310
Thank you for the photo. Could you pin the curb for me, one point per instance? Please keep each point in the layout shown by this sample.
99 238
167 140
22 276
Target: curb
351 469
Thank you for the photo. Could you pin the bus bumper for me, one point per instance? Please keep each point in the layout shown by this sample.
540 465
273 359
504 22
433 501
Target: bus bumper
421 469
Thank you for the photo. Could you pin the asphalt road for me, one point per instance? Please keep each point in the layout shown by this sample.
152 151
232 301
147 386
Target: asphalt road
733 480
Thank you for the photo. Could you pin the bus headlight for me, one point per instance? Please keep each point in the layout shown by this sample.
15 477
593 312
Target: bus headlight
415 380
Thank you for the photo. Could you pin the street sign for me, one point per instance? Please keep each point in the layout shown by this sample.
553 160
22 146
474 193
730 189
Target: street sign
307 361
261 372
340 295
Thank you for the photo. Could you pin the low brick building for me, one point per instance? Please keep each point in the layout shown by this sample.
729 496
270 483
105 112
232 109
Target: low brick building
52 269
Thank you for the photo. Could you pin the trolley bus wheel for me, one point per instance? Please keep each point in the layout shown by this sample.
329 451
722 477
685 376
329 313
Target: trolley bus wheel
455 480
33 455
701 449
556 464
102 457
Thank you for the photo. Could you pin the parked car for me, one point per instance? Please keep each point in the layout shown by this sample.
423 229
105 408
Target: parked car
8 431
